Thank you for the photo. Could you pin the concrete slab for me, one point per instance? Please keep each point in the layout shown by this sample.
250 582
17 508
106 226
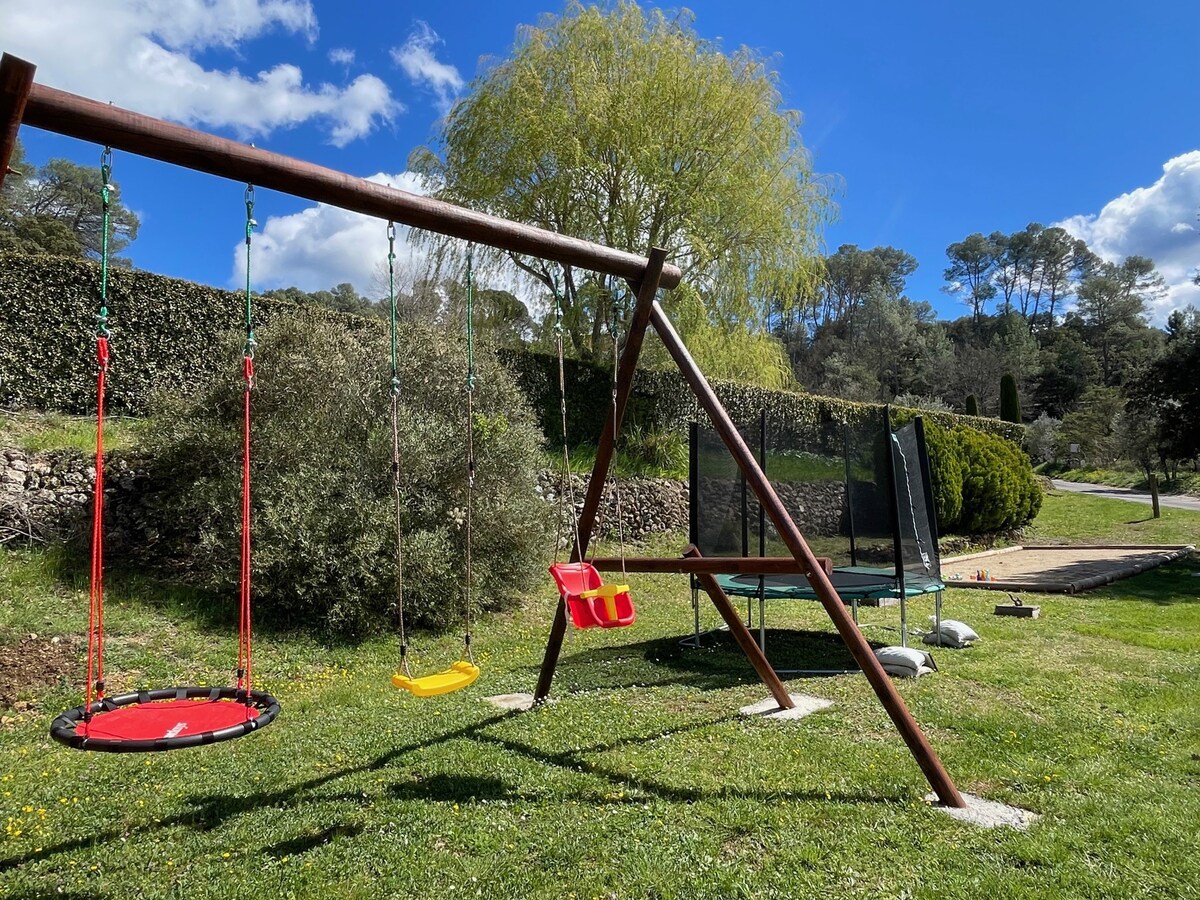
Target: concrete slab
987 813
511 701
806 705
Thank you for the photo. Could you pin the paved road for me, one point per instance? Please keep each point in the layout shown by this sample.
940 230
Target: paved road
1176 501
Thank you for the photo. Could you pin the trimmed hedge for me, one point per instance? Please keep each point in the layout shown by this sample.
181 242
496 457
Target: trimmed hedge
166 333
662 401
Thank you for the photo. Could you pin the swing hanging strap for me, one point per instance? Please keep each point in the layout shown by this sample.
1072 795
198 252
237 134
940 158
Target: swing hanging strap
95 653
566 493
470 386
245 663
395 400
463 672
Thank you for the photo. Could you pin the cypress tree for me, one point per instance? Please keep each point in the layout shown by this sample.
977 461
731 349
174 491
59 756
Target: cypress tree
1010 403
972 405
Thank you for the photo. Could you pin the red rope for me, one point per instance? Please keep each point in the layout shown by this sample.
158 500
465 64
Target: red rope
244 656
95 661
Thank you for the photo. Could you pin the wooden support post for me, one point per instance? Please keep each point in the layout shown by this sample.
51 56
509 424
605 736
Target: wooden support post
1157 513
910 732
711 565
742 635
646 290
16 81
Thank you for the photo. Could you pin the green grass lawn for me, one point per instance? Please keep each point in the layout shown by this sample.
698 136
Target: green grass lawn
641 780
1073 518
35 432
1186 482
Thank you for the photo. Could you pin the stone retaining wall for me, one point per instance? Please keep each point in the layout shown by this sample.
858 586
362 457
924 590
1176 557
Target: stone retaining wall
46 496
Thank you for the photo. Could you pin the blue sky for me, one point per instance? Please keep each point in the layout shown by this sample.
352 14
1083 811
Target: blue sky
936 119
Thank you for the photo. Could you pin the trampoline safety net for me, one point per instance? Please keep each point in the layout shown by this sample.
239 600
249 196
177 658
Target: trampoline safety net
835 481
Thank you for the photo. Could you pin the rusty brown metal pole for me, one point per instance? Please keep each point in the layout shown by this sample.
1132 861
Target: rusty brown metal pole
16 81
911 733
646 291
742 635
79 117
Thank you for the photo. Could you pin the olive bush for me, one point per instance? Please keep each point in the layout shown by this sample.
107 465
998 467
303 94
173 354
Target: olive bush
323 514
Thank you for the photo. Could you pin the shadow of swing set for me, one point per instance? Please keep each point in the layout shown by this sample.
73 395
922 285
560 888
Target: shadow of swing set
49 109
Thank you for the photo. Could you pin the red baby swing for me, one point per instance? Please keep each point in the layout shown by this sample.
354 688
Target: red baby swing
591 602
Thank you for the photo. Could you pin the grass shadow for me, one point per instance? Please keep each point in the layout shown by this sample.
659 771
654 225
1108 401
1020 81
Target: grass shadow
207 813
303 844
717 664
442 788
1169 585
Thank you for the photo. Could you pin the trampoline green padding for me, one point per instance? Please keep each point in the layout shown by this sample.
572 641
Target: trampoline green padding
851 583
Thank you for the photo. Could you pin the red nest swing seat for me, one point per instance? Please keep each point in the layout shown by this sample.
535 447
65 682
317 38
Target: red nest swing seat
166 719
177 717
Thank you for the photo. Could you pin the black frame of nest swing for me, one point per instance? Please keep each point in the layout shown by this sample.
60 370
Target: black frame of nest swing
911 571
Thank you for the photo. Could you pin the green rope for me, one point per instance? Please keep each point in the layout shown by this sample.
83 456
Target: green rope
391 237
248 350
106 189
470 321
566 488
558 309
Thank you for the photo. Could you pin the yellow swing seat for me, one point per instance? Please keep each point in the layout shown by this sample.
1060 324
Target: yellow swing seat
455 678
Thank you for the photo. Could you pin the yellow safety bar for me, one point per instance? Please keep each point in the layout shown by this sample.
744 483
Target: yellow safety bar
608 593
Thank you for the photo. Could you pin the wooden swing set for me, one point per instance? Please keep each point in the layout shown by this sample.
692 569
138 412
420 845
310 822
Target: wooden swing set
23 101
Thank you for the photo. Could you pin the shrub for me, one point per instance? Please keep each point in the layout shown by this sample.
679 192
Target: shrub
999 489
1042 438
324 542
946 470
972 407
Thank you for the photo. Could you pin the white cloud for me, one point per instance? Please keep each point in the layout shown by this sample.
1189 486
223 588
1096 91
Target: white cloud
138 54
417 59
341 56
1158 221
323 246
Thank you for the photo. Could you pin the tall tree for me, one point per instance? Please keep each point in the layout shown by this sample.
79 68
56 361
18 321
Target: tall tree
1063 261
625 127
1066 366
851 275
58 209
969 275
1112 306
1168 391
1010 400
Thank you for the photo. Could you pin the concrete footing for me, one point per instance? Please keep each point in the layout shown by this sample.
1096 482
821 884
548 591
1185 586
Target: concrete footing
987 813
511 701
806 705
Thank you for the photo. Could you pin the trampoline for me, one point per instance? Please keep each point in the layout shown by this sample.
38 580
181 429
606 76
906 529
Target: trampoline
853 584
859 492
165 719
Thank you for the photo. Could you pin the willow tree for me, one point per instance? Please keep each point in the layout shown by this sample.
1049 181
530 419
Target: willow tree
624 127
